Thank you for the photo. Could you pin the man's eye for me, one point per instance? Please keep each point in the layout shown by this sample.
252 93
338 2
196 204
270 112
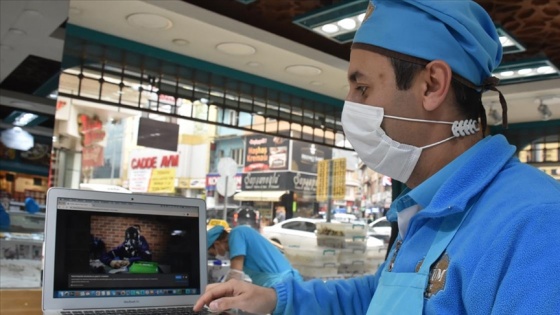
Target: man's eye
362 89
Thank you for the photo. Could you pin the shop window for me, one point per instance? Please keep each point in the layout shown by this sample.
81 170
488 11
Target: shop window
166 91
237 156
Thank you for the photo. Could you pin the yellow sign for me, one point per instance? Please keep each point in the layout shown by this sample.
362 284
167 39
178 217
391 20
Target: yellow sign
338 179
162 180
322 180
214 222
331 173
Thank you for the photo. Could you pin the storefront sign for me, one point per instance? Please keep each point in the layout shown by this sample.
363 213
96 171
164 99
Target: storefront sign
306 156
263 181
305 182
161 161
191 183
152 171
212 180
279 181
331 179
162 180
266 153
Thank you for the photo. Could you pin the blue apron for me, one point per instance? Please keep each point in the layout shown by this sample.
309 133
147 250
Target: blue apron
403 292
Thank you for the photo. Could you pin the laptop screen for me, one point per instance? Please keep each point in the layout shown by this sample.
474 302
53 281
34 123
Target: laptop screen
110 248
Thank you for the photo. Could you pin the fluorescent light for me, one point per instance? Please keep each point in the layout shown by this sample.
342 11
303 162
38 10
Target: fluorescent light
337 22
509 44
329 28
20 119
24 119
530 70
348 24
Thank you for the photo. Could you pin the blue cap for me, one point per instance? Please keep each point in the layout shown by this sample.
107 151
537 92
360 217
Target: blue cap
213 235
459 32
31 205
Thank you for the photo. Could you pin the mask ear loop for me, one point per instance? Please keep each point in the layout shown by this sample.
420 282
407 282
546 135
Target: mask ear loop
459 128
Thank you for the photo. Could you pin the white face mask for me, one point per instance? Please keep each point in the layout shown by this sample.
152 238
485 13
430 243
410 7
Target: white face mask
362 127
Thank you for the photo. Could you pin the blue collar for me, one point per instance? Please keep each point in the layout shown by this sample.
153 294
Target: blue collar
425 192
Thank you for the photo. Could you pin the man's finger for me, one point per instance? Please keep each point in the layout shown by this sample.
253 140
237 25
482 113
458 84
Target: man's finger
213 292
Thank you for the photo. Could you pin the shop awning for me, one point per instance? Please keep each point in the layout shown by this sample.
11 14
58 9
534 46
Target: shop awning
260 195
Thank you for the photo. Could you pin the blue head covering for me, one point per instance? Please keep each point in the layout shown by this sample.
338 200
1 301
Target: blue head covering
31 205
459 32
213 235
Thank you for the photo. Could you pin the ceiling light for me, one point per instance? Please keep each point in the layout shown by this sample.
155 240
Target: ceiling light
24 119
524 71
543 109
338 22
329 28
507 73
253 64
149 21
509 44
16 31
347 24
303 70
236 49
180 42
316 83
21 118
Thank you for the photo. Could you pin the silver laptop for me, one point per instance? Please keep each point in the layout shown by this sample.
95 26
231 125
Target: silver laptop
113 252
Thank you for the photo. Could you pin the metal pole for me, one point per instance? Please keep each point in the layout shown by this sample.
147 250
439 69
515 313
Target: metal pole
329 191
225 199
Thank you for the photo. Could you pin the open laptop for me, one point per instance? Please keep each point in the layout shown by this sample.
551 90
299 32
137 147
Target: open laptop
86 230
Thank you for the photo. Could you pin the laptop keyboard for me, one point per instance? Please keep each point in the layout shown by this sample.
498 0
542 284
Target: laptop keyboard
142 311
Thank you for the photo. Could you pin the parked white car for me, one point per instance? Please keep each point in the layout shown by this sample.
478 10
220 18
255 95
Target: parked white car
380 229
300 232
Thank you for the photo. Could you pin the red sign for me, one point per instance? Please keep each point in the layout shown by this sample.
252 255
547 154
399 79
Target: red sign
152 162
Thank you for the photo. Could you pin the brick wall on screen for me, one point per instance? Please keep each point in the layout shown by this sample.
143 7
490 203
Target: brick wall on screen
111 231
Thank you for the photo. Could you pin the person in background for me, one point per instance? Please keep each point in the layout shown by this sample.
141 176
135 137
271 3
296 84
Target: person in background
478 229
131 250
5 221
252 257
31 205
280 215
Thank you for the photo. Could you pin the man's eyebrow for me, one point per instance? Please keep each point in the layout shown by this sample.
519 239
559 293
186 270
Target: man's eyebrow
354 76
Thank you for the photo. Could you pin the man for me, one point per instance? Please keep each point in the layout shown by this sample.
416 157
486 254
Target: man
478 230
252 257
131 250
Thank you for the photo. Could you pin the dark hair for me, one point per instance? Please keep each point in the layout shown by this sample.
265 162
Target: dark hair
468 100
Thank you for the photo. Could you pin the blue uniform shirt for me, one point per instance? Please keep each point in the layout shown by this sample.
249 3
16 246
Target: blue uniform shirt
260 255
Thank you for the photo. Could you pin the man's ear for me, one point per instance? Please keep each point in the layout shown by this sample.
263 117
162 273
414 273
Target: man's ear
437 78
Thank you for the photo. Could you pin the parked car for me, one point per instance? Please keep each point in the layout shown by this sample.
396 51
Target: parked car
236 215
380 229
300 232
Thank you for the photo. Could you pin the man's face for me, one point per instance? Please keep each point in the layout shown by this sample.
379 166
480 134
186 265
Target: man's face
372 82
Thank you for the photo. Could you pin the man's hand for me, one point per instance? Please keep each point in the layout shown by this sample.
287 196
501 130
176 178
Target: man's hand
236 294
234 274
119 263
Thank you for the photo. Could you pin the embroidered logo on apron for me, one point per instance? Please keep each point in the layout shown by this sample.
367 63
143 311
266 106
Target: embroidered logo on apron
438 274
